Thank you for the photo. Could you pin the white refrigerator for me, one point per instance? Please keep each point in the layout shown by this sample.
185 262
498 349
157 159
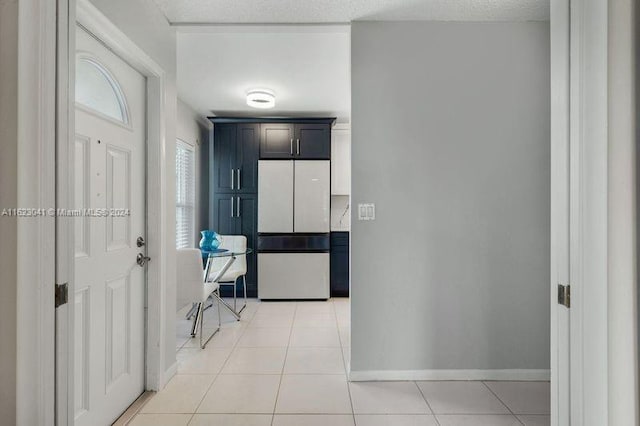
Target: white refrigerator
294 210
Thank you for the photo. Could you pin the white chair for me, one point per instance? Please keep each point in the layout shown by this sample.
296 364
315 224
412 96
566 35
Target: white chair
194 287
237 244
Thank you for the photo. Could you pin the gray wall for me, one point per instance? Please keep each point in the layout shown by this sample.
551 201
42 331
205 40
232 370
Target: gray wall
450 139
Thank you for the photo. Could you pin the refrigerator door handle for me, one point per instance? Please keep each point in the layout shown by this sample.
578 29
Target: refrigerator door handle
298 146
231 206
232 177
238 207
238 179
291 146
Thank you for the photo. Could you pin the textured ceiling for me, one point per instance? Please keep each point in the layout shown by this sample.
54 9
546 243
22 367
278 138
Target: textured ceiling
343 11
307 67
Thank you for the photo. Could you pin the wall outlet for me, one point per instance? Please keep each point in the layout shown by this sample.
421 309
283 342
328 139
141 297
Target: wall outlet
367 211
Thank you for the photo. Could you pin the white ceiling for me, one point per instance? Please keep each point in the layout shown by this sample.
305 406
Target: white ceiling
343 11
307 67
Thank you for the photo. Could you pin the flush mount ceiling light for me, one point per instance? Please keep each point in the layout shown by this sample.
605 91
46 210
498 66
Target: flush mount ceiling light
261 98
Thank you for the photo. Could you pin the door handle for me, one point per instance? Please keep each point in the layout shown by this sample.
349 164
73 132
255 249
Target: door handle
239 179
232 176
298 146
142 260
291 146
232 206
238 207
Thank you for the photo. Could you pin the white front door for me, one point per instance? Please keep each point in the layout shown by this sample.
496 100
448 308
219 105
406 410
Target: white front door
110 183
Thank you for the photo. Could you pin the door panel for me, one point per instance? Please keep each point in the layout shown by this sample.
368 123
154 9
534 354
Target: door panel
81 194
312 210
118 196
82 317
222 214
275 196
110 287
118 324
313 141
276 140
224 158
247 155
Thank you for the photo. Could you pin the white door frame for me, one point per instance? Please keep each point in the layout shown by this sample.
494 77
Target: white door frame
559 260
87 15
579 168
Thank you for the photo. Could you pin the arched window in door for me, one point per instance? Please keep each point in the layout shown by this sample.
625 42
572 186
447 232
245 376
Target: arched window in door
98 90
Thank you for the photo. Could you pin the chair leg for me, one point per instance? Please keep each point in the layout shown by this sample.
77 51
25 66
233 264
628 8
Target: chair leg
235 290
244 285
196 318
203 344
219 312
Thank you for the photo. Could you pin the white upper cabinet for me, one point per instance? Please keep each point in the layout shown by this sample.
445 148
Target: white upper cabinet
340 160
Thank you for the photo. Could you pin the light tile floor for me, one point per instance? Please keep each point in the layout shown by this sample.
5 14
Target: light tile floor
285 363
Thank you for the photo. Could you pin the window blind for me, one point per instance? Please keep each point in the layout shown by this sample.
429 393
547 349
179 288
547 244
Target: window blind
185 195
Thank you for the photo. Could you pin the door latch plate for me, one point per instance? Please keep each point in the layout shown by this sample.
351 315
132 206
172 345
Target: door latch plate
564 295
62 294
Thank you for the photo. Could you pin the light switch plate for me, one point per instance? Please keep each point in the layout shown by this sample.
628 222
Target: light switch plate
367 211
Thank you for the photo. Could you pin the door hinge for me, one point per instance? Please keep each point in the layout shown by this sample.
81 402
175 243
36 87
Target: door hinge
564 295
62 294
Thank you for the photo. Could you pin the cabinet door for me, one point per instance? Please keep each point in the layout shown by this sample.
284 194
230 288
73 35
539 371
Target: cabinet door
276 140
275 196
222 212
224 158
313 142
312 200
247 224
247 154
340 271
340 162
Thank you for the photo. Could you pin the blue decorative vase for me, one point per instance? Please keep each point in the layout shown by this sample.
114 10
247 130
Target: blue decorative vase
210 240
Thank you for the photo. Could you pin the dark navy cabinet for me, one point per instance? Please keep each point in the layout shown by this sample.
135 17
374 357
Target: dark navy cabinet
313 141
247 155
339 275
236 149
298 141
233 200
224 158
277 140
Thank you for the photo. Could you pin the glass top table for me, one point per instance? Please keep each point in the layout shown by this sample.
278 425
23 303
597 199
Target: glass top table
224 253
230 256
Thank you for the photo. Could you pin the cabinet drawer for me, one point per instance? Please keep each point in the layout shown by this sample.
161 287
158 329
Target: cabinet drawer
293 275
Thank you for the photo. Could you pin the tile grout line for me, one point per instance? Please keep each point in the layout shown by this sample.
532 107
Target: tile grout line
344 364
215 376
286 355
219 371
501 401
433 413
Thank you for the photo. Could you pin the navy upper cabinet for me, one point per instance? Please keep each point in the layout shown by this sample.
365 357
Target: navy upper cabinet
247 155
313 141
276 140
236 150
224 158
300 141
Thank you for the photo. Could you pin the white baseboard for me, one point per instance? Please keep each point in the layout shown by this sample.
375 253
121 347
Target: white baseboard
388 375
